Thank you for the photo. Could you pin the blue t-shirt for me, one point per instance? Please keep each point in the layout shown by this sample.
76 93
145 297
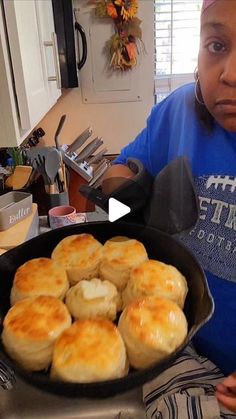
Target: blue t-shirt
173 129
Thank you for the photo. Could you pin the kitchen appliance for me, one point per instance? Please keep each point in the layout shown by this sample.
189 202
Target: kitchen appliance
25 401
198 307
66 29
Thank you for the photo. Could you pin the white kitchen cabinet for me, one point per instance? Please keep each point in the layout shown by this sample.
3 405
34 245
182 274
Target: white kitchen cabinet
29 67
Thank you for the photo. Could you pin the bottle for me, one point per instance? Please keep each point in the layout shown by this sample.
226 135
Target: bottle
10 165
9 171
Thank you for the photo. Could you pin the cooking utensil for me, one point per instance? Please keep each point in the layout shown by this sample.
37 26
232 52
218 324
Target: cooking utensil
52 165
79 141
58 130
40 167
64 175
198 307
89 149
34 152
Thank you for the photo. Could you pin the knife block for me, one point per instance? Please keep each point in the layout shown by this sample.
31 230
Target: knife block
77 200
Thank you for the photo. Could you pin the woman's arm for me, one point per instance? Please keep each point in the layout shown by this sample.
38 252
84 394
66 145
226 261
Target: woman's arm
114 177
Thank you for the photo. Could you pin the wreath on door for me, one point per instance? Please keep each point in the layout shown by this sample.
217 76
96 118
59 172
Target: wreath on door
126 43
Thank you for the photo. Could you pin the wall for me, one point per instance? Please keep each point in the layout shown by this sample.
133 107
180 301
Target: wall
117 123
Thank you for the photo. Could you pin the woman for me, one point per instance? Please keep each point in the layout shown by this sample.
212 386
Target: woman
199 121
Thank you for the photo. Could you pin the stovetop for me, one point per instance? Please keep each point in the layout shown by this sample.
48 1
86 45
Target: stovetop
27 402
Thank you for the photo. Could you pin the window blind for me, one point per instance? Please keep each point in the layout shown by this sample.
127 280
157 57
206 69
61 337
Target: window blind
177 27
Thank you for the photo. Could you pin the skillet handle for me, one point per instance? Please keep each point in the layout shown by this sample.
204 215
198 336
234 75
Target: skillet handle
7 376
95 195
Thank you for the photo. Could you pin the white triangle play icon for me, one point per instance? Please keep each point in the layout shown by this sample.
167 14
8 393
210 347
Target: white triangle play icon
116 209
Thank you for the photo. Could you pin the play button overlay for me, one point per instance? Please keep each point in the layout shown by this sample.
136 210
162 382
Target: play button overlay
116 209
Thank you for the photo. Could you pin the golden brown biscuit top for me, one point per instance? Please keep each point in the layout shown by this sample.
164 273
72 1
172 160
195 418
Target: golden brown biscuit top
124 252
37 318
152 318
153 275
78 250
40 274
93 343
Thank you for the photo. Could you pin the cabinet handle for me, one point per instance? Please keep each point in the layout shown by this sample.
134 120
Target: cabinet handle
53 44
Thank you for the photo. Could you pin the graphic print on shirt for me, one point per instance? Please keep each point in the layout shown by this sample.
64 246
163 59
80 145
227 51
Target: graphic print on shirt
213 239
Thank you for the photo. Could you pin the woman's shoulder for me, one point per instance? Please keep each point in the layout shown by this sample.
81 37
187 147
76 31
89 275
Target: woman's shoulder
180 100
186 90
181 94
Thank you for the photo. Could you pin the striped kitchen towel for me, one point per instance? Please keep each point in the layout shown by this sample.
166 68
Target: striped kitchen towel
7 376
186 390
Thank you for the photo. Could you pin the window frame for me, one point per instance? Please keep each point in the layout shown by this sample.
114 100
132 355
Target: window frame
166 83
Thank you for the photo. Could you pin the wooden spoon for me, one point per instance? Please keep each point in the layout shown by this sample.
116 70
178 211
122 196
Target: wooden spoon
52 164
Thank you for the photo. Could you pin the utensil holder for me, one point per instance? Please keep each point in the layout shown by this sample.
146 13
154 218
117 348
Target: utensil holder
55 200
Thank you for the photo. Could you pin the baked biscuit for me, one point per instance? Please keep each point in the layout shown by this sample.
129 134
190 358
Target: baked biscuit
155 278
93 298
89 351
30 329
152 328
80 255
120 255
41 276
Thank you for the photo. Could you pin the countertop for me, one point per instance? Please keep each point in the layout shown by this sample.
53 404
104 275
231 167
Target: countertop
97 215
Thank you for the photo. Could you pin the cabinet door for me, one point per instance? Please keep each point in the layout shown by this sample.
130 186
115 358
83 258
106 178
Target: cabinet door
9 123
28 36
49 50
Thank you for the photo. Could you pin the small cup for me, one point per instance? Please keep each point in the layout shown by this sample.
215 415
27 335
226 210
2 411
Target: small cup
62 216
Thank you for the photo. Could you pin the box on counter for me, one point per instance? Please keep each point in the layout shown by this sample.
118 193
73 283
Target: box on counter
15 206
22 231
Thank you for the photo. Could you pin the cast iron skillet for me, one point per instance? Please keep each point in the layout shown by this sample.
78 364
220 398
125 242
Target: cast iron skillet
198 306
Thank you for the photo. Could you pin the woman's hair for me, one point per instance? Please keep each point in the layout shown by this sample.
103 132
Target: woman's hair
204 116
202 112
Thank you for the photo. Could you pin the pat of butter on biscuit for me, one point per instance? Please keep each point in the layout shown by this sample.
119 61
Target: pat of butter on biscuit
93 289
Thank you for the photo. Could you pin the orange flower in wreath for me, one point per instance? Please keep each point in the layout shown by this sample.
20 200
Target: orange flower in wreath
129 8
111 11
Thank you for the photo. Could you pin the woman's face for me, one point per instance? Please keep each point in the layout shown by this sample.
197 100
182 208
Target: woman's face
217 62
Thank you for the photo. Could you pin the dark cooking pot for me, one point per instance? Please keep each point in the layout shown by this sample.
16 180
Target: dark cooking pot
198 306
